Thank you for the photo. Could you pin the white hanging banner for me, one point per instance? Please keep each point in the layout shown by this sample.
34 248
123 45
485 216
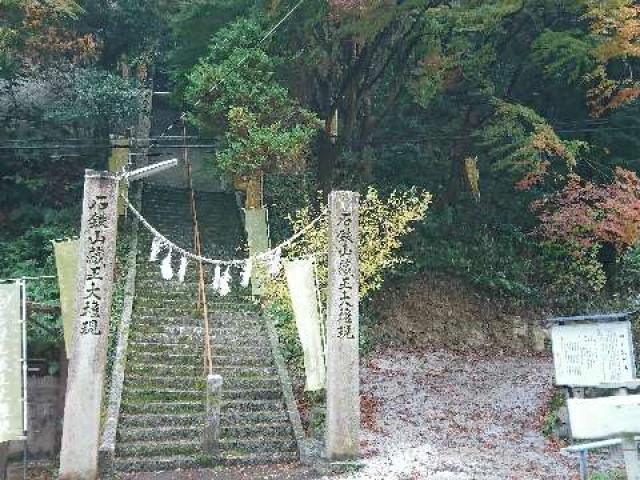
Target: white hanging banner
11 407
156 244
182 271
245 277
300 275
166 269
225 283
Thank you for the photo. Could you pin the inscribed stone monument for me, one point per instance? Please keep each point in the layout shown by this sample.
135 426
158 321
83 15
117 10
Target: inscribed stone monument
343 374
79 454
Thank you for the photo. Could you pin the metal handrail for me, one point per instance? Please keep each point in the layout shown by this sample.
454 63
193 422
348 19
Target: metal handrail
197 241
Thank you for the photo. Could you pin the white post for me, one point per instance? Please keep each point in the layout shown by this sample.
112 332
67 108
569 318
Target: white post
25 365
343 360
630 453
81 428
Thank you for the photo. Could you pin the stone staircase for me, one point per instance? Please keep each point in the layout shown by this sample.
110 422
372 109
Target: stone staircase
162 411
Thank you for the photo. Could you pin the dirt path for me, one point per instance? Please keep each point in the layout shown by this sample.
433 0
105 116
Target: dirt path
442 415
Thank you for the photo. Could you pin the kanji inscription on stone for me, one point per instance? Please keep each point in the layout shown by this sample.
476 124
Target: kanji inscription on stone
81 428
343 363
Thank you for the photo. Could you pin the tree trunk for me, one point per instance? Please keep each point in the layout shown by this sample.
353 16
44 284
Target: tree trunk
608 257
254 191
328 153
457 179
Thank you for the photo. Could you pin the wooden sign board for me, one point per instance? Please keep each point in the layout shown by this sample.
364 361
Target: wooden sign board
605 417
590 354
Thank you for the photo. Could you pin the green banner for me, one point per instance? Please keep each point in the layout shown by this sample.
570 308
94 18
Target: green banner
66 253
11 406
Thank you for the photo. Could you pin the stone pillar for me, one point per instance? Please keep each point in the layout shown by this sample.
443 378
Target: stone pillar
212 425
343 363
4 457
81 428
630 454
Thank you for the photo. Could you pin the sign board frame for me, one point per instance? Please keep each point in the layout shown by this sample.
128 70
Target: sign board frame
567 346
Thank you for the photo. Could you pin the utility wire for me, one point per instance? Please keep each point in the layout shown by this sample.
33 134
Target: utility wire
212 145
96 146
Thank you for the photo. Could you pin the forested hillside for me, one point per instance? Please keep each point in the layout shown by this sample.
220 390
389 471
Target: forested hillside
520 117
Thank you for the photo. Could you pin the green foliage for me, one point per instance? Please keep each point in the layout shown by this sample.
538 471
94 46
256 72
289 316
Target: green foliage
384 222
524 143
234 93
134 28
31 254
553 408
284 194
564 57
285 324
500 260
193 25
96 99
630 271
610 475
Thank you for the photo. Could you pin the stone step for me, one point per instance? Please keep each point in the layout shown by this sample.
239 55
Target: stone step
229 407
278 431
247 334
167 447
161 419
244 373
137 380
255 430
157 307
136 357
240 383
233 382
140 346
237 321
238 447
192 371
159 301
163 311
259 443
184 462
181 358
193 336
179 408
135 395
222 350
251 394
152 464
257 458
240 417
174 432
169 319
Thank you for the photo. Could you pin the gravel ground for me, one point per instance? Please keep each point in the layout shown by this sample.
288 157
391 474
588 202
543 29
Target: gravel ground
442 415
